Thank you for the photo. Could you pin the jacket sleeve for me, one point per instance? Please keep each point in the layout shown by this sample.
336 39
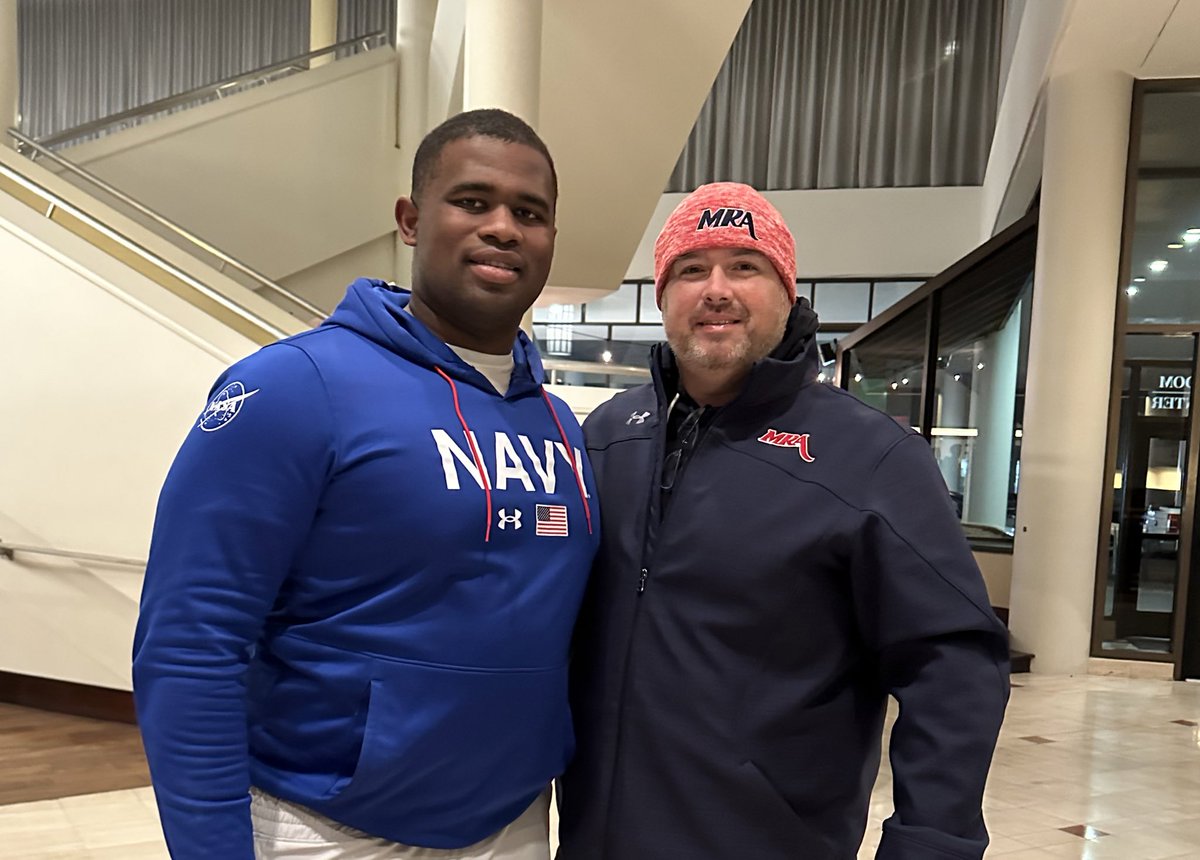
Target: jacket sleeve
941 652
234 512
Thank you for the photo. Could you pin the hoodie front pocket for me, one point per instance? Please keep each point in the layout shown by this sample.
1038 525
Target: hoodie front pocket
439 740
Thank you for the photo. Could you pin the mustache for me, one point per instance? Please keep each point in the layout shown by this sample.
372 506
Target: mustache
734 309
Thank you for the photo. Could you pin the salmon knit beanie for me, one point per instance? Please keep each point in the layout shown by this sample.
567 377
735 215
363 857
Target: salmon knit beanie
725 215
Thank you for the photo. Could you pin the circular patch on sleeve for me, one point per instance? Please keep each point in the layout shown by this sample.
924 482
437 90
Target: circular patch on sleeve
225 406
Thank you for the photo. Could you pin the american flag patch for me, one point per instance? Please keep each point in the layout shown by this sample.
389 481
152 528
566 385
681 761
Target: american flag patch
551 520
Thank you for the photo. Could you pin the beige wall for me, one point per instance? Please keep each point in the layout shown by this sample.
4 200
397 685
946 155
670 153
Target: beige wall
282 177
325 283
103 372
859 232
996 568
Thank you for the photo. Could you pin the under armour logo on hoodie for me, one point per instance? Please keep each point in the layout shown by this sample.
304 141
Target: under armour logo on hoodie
727 217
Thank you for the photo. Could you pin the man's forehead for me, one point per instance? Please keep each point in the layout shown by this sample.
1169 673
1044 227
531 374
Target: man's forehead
724 252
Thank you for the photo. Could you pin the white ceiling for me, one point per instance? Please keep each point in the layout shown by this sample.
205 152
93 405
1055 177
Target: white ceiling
1144 38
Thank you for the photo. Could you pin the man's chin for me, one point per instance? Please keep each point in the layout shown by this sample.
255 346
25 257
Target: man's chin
712 356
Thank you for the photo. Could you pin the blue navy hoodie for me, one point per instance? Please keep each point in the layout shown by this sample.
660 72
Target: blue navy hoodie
365 568
736 649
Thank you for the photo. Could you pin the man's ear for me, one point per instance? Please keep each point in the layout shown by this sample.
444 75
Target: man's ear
406 220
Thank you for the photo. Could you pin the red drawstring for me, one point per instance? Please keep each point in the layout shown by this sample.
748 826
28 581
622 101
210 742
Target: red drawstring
587 509
483 477
478 458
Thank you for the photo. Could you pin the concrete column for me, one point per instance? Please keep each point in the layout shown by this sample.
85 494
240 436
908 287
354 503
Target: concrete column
322 29
10 69
954 410
1070 366
992 413
502 63
414 34
503 56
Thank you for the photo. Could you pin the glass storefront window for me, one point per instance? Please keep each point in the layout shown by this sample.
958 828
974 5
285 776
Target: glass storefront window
979 372
844 302
620 306
886 370
649 310
887 293
1164 254
1148 494
558 313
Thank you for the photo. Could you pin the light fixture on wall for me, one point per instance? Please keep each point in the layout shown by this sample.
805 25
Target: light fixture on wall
1158 266
1139 280
1174 246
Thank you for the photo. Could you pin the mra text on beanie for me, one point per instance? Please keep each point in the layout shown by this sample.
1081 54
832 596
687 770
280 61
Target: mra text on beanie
725 215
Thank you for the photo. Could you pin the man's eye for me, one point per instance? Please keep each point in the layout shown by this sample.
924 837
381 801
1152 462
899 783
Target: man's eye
473 204
745 266
529 215
691 270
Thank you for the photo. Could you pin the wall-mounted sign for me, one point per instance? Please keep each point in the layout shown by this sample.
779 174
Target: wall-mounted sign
1173 394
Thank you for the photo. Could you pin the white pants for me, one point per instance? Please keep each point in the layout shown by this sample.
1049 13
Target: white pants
287 831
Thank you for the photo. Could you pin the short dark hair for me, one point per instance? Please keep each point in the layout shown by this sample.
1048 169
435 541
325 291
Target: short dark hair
485 122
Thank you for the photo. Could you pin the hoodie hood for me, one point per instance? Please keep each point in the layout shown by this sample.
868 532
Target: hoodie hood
375 310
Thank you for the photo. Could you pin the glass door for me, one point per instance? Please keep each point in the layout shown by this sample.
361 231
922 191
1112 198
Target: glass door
1147 558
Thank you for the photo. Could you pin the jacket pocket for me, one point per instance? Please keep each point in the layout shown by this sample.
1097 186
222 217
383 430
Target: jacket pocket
439 740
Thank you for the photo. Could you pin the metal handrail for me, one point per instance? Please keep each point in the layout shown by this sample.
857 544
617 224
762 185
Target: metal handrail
57 202
571 365
7 550
213 89
183 232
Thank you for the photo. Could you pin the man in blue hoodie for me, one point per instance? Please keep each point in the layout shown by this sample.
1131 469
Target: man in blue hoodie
370 551
777 558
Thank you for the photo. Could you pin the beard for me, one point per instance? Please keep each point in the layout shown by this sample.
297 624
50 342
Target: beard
735 353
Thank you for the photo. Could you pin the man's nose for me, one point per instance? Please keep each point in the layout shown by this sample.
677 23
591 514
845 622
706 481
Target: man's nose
717 288
501 227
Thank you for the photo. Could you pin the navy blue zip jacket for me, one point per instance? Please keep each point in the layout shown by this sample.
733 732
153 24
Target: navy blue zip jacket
355 603
732 662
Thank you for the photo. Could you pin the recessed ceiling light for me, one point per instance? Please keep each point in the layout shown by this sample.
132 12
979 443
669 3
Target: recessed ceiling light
1175 246
895 385
1191 238
1158 265
957 377
904 381
1192 231
858 377
1139 280
1131 291
606 356
979 366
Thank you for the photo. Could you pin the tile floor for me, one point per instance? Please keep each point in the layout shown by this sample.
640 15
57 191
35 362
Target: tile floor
1087 767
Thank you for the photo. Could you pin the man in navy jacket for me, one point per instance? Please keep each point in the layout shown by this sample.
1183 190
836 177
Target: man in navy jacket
777 559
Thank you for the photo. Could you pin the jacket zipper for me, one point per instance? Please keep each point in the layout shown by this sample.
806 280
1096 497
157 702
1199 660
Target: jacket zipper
643 576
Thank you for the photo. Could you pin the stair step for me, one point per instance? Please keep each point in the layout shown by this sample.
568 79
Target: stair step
1020 660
